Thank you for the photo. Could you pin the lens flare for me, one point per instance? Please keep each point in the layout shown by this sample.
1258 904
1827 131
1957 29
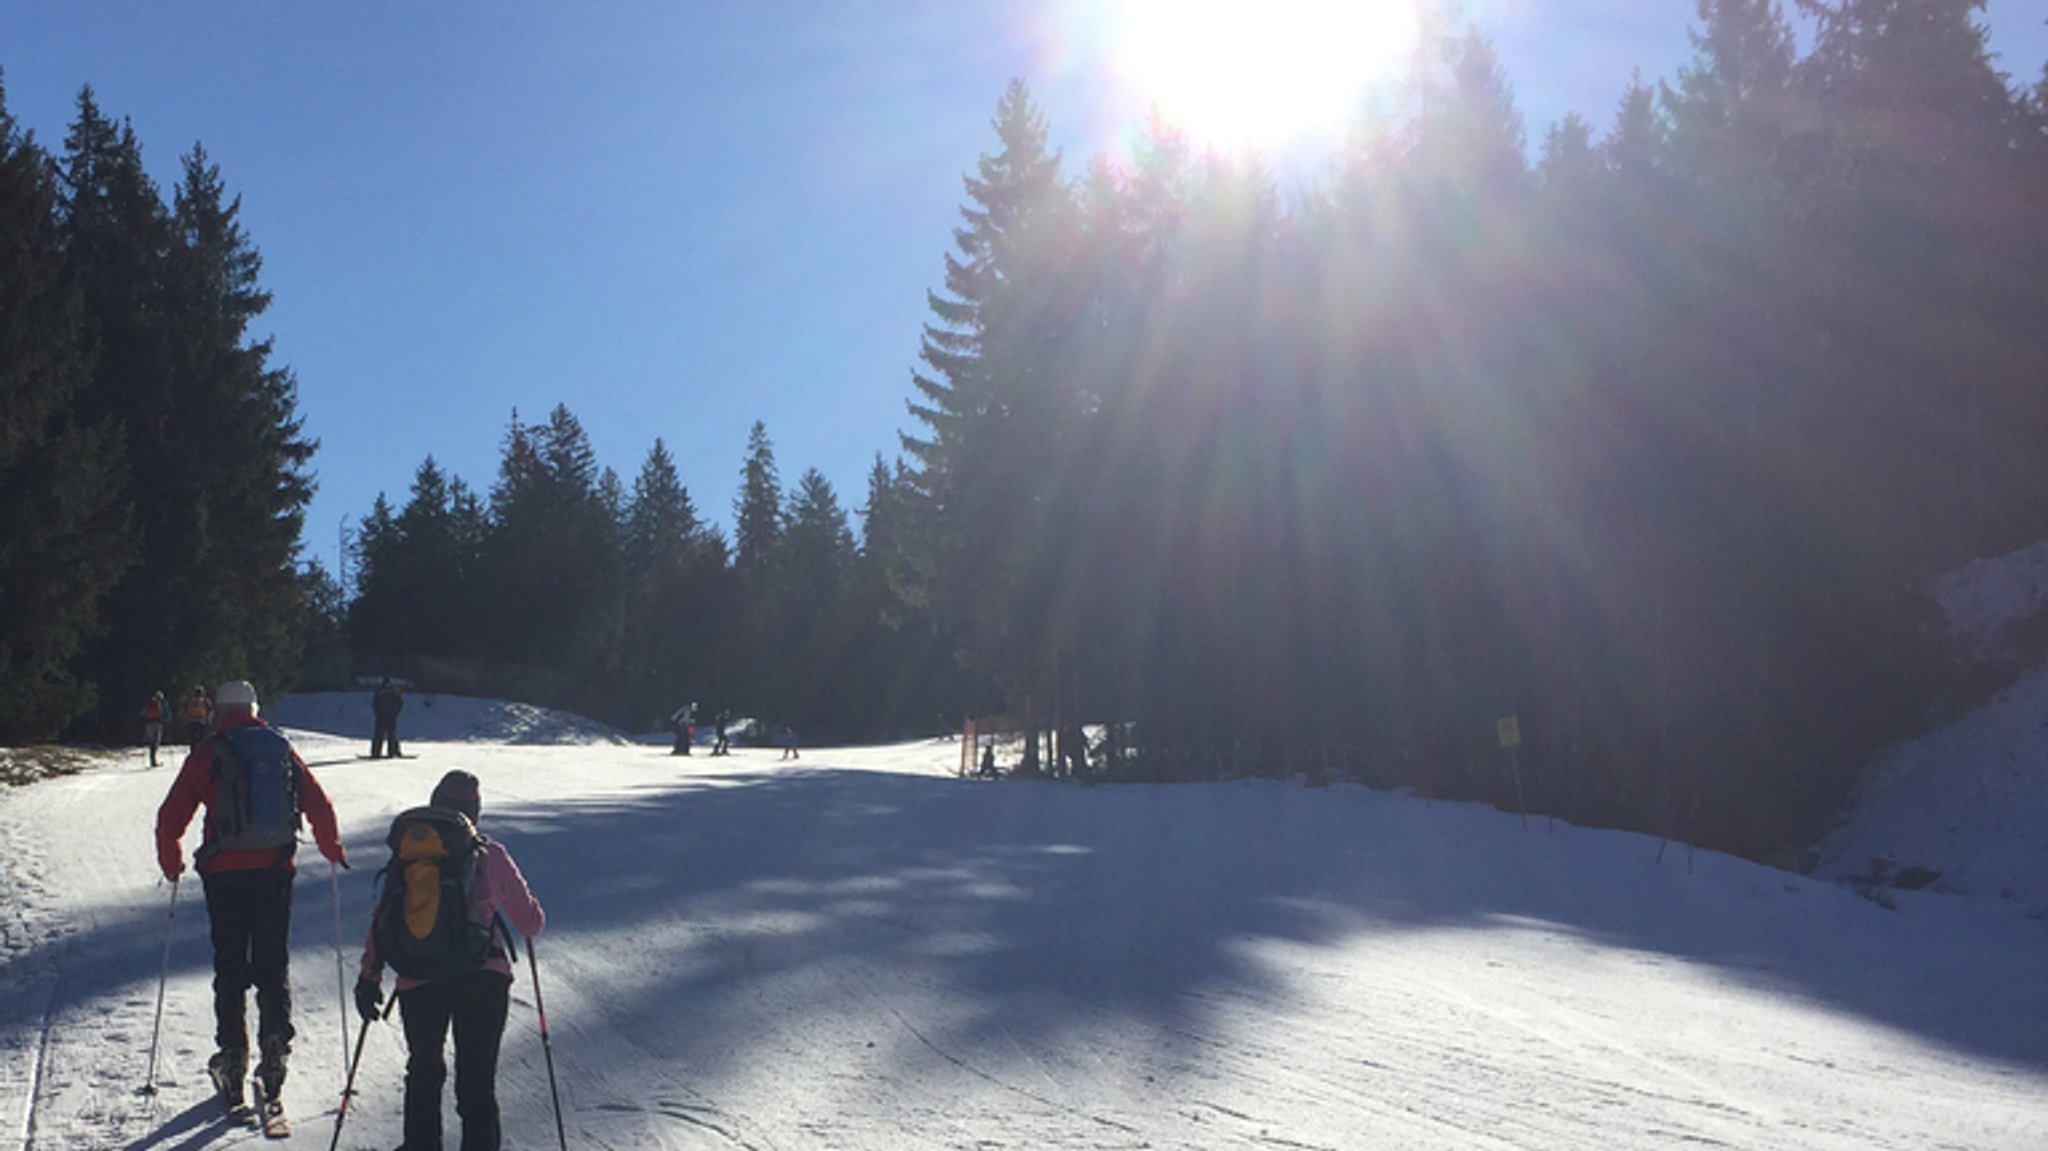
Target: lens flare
1260 74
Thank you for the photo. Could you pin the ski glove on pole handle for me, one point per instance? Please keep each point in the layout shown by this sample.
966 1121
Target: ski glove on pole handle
368 996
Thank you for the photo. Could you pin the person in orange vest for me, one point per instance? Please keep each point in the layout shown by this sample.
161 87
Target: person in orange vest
255 788
198 713
153 723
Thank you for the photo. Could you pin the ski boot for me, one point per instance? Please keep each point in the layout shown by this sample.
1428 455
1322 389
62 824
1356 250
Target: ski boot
270 1087
227 1068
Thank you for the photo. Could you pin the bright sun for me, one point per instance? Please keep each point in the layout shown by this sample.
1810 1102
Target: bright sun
1259 73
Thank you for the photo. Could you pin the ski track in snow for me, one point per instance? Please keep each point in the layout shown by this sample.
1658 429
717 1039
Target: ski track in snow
862 952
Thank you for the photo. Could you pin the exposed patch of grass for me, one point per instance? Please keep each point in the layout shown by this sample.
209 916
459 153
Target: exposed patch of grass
20 766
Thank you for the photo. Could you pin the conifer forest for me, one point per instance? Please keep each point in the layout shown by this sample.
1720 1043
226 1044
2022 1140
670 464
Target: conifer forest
1651 431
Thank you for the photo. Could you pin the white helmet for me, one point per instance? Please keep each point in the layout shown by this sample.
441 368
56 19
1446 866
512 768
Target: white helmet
235 693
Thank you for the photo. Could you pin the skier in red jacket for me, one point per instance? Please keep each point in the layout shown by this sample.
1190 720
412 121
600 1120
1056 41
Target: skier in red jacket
254 787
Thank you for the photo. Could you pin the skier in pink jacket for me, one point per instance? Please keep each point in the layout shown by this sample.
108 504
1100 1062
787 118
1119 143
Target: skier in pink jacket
473 1001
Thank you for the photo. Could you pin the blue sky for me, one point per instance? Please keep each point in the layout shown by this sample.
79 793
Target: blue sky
676 218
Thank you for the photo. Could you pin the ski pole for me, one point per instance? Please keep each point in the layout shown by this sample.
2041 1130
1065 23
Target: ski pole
163 977
340 980
547 1048
348 1089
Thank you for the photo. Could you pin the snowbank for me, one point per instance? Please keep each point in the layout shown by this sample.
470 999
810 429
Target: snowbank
1985 598
1969 801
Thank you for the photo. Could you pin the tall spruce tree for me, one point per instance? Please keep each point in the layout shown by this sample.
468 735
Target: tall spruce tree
69 536
555 555
215 447
996 349
252 472
665 637
756 570
1009 187
819 633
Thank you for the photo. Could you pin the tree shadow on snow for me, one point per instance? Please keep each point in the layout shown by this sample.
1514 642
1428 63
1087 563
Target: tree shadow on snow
1050 906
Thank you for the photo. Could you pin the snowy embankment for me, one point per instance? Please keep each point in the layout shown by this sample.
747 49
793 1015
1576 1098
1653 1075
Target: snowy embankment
861 951
1969 802
439 718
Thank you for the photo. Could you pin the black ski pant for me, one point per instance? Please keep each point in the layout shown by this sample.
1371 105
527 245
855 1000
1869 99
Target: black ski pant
386 732
475 1003
251 917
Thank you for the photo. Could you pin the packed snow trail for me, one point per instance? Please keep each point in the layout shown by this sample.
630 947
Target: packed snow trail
862 951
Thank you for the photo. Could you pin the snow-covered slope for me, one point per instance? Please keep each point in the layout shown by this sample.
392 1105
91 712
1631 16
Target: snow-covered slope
1970 801
1986 598
861 951
440 718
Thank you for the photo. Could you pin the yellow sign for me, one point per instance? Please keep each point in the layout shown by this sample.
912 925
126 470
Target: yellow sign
1509 728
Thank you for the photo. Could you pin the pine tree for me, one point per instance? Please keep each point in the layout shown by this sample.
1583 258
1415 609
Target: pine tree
117 239
241 411
819 643
430 596
1569 167
1635 148
757 514
665 640
376 611
1732 109
214 445
818 543
69 537
756 570
1008 187
554 550
999 350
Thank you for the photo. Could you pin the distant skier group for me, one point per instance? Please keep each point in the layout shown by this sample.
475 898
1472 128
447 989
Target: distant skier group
684 722
450 902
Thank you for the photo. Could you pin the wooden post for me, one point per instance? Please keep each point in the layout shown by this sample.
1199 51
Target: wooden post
1508 729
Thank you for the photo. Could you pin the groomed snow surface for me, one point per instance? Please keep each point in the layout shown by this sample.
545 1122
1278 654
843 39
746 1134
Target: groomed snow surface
860 951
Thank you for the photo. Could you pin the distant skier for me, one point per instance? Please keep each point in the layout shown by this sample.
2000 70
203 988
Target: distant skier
988 762
254 788
385 705
722 721
198 713
475 992
789 743
153 714
684 721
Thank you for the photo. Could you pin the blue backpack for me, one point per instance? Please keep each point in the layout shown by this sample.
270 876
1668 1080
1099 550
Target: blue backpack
256 792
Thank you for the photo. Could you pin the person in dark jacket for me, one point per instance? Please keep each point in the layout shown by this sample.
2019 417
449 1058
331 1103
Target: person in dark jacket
385 705
474 1002
248 886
